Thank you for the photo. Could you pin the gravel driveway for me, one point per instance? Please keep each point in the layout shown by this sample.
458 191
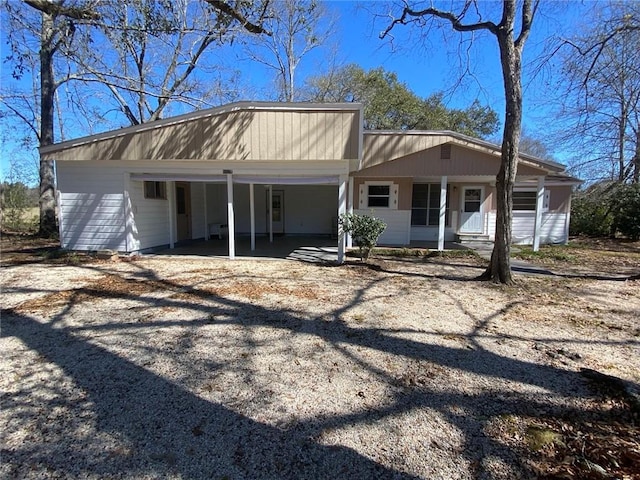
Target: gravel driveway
204 368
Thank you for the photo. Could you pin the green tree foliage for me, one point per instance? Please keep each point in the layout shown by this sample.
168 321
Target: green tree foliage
626 211
364 229
607 210
389 104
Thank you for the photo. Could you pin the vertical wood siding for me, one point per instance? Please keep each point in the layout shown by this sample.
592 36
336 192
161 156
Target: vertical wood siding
251 135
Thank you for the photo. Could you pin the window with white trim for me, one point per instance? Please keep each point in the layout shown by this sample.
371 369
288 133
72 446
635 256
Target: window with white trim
425 205
379 195
157 190
525 200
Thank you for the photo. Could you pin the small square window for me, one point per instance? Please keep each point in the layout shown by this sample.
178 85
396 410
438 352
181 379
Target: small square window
157 190
379 196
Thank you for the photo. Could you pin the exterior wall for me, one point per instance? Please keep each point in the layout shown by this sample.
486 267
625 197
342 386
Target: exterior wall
308 209
150 219
92 208
198 221
559 198
552 230
427 163
398 225
250 134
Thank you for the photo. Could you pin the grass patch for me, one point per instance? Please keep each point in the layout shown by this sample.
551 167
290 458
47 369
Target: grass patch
556 253
538 438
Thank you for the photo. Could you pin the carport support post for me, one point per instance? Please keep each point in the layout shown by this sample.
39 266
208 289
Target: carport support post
342 208
252 207
350 207
539 206
171 190
230 216
443 212
269 208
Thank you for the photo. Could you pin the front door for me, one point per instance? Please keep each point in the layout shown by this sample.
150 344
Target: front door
276 210
183 210
471 212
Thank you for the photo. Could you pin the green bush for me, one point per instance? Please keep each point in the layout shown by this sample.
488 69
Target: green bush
607 210
590 216
364 229
625 206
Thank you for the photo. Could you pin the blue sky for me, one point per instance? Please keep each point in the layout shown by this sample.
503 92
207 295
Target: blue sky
431 64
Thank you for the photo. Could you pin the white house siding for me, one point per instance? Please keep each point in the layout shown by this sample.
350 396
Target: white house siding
310 209
198 221
430 234
91 208
490 225
150 219
552 229
398 225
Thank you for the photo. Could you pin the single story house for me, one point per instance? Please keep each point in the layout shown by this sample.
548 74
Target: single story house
258 168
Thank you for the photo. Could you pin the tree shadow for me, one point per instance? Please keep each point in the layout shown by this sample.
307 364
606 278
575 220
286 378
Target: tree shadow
169 430
172 431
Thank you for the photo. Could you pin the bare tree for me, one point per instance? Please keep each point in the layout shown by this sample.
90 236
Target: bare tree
511 33
57 24
154 49
600 85
297 28
51 33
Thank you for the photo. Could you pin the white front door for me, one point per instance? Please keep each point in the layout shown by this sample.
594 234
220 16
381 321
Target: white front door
471 210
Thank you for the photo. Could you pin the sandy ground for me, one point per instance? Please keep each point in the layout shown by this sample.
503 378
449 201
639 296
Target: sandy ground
204 368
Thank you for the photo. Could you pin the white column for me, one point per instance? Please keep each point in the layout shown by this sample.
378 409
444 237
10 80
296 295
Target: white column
567 221
206 219
342 208
269 209
443 212
538 222
128 237
350 209
171 198
252 207
230 218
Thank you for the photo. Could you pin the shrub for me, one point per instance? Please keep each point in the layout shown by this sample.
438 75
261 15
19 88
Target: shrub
364 229
605 210
625 206
590 216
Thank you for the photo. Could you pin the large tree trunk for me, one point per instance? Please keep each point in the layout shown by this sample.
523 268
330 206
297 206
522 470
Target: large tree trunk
636 159
47 92
499 269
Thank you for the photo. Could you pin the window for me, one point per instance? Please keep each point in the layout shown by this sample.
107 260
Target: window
155 190
378 196
524 200
425 204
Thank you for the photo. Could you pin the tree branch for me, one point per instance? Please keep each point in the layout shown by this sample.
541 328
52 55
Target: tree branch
227 9
408 15
59 9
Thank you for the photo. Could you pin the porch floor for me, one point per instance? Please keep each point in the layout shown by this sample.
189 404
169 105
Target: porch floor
315 249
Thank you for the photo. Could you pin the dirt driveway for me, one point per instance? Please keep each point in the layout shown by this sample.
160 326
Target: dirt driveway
212 369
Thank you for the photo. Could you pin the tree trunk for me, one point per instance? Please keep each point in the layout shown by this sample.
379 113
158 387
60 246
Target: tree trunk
636 159
499 269
47 91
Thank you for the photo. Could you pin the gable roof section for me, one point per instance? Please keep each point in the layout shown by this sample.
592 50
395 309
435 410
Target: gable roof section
388 147
251 131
